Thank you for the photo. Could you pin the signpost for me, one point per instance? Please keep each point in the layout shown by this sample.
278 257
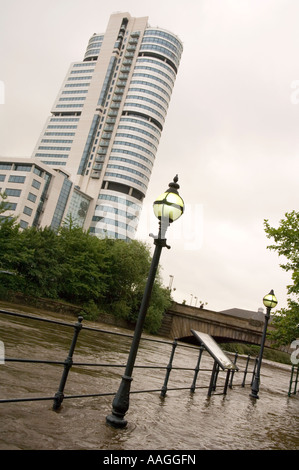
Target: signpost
220 359
215 351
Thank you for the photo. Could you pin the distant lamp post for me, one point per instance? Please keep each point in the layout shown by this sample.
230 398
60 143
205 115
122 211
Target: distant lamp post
168 207
270 302
170 282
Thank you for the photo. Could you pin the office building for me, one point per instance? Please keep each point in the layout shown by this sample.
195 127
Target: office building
105 125
36 193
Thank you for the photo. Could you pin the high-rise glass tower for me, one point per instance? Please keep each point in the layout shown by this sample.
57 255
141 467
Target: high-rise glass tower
106 123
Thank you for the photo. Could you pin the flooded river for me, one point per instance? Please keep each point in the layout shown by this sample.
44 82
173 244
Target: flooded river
180 421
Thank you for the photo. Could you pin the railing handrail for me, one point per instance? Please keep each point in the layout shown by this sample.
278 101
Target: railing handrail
68 363
89 328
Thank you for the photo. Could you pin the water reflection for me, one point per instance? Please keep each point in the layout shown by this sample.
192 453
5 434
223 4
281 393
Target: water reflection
179 421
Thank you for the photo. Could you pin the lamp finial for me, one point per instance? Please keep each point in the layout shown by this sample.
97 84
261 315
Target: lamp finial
174 184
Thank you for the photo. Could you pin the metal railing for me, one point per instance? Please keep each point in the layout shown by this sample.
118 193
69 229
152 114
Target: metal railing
293 380
68 363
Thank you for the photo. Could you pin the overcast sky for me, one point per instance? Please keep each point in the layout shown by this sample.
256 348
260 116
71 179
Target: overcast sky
231 133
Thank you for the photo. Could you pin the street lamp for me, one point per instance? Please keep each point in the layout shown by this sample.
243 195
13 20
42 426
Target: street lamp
168 207
170 282
269 301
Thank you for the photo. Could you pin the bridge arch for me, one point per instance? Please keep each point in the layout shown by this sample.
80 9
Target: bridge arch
180 319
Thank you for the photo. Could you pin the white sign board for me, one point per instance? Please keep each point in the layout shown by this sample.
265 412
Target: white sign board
216 352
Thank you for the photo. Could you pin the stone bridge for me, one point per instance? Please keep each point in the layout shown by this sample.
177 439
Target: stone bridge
180 319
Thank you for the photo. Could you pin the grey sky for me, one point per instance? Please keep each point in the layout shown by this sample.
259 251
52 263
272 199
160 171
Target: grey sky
231 133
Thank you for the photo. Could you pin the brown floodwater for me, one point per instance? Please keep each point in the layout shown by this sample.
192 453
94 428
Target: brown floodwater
180 421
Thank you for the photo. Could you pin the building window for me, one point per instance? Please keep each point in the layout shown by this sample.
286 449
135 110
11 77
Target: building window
56 141
37 171
5 166
23 167
47 162
31 197
54 148
70 105
27 210
23 224
78 208
60 133
16 179
73 98
12 206
53 155
36 184
13 192
61 204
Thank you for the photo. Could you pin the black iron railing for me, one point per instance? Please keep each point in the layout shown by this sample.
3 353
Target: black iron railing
293 380
215 377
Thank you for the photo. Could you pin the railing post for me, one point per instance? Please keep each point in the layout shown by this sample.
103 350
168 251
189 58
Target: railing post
226 381
59 395
169 367
291 380
254 369
216 377
245 371
233 371
196 370
296 382
211 386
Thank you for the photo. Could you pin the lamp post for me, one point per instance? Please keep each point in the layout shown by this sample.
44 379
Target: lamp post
170 282
269 301
168 207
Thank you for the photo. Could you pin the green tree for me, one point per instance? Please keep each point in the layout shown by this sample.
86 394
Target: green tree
75 266
9 248
160 302
286 244
129 264
38 262
4 204
83 263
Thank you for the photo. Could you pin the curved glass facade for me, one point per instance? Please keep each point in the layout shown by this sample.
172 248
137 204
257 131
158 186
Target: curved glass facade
94 47
141 120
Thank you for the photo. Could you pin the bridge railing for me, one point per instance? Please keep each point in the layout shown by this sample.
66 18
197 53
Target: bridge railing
197 371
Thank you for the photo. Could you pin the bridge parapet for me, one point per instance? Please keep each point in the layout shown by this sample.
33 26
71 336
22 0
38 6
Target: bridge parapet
180 319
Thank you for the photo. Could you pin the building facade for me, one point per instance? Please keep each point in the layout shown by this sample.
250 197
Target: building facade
35 192
106 122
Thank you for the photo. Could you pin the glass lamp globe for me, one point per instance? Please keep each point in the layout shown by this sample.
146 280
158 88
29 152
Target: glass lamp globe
169 205
270 300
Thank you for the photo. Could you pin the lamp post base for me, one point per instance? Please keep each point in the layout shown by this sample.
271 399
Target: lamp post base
255 388
116 421
120 404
